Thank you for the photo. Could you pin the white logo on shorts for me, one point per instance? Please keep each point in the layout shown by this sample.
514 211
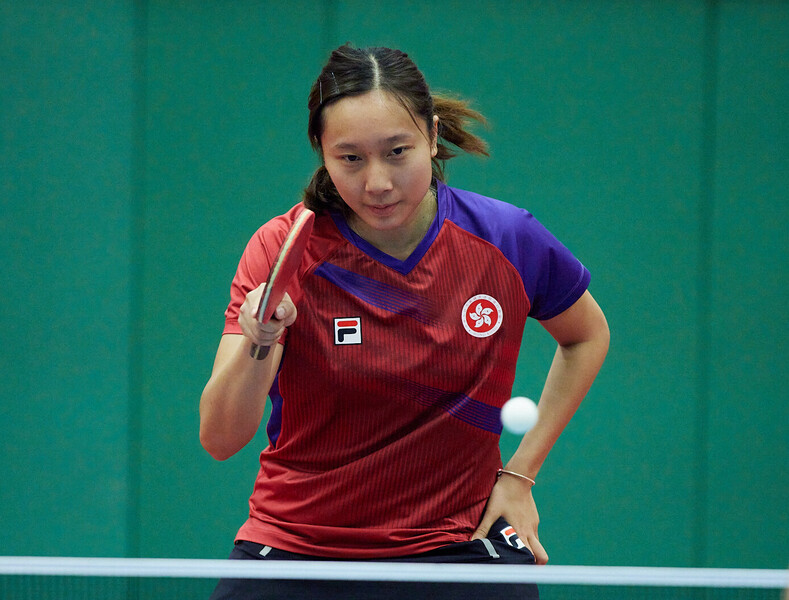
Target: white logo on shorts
509 535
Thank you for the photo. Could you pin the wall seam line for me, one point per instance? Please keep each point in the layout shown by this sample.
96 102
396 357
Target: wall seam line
704 276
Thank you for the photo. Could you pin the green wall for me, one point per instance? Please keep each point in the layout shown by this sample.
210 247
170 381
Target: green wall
68 150
142 143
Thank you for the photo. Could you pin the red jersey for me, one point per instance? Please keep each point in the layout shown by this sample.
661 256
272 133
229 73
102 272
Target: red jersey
384 432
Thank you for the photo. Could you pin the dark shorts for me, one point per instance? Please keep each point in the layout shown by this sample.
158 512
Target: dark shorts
500 548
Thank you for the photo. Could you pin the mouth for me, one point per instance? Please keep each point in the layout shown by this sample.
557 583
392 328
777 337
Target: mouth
383 210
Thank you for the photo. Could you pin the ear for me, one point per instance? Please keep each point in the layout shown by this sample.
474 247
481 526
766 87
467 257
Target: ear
316 145
434 137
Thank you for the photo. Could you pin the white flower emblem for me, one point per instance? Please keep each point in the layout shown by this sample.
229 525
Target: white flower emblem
482 316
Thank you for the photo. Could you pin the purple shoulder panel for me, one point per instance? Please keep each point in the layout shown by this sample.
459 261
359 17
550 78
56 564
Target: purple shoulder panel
552 277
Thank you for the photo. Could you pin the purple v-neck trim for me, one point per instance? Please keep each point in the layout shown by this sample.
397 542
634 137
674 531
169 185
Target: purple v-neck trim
401 266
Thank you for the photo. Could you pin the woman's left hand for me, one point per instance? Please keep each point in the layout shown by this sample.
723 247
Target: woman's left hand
512 499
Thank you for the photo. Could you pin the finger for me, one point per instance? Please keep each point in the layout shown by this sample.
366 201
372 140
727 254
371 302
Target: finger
484 527
249 307
540 555
264 339
262 334
286 312
269 338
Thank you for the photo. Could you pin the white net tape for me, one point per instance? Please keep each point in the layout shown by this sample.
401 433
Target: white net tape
381 571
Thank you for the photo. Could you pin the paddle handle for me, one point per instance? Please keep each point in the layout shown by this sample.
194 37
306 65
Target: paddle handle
259 352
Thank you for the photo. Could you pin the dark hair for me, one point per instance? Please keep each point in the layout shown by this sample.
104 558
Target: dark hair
354 71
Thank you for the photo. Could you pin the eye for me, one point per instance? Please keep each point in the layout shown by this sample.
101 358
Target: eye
350 158
399 151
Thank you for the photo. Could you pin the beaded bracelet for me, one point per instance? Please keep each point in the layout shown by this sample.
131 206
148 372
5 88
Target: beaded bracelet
501 472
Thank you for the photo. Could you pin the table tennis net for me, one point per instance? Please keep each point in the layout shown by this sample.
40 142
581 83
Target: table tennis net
53 578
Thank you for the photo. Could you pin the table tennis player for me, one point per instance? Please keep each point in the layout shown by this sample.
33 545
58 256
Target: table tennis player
395 348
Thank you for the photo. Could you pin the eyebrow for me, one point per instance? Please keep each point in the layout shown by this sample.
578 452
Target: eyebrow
391 140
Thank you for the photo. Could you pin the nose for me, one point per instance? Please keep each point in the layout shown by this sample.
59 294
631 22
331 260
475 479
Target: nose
378 180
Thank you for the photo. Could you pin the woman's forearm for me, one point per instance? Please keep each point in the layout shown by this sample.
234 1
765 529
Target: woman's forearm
571 375
583 338
234 399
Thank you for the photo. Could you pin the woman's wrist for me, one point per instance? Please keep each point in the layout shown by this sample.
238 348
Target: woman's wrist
507 472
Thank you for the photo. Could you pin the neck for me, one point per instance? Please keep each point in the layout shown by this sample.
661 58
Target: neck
400 243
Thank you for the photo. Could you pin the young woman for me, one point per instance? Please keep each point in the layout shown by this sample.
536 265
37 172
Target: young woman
396 346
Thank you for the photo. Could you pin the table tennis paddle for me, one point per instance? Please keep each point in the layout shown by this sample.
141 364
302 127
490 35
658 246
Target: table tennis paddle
283 268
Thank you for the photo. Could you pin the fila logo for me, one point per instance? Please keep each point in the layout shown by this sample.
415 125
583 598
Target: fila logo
347 330
482 315
509 535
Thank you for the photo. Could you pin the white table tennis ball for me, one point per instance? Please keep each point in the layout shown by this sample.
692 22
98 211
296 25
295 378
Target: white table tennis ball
519 415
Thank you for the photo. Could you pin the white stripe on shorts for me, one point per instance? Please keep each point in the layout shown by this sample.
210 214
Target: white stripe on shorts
489 547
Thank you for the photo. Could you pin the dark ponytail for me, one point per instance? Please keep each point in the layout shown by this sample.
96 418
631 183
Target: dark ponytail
353 71
321 194
454 118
